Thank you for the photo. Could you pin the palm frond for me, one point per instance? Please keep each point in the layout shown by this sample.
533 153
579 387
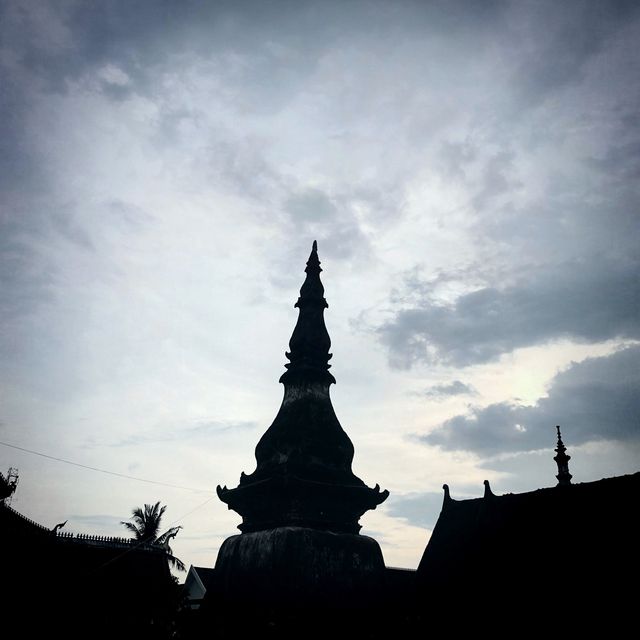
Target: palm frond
133 528
146 522
145 527
138 515
175 563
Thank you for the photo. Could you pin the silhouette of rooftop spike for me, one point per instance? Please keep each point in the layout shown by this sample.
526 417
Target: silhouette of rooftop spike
310 342
303 475
562 460
447 500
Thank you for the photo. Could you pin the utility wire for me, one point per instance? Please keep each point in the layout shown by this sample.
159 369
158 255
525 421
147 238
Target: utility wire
209 499
111 473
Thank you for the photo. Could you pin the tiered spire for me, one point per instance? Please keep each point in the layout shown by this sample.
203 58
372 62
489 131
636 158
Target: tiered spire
310 342
562 460
303 475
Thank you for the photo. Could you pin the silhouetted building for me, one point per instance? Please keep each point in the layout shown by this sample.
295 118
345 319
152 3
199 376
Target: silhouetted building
190 622
521 551
82 585
198 581
300 548
299 557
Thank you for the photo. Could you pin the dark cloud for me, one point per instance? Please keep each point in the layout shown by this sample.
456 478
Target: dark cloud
496 179
344 241
454 157
584 301
563 43
60 41
596 228
67 225
328 217
311 204
621 162
442 391
34 233
279 45
239 162
18 167
26 278
596 399
128 216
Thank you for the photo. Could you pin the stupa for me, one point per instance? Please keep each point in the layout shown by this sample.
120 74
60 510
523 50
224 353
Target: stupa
300 508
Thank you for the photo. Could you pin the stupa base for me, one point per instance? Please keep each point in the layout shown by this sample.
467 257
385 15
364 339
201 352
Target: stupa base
297 568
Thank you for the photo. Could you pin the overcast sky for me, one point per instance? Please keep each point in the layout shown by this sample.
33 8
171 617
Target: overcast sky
470 171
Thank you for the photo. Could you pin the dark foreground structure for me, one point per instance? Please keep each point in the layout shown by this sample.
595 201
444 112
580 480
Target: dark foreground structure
526 553
300 551
55 584
300 568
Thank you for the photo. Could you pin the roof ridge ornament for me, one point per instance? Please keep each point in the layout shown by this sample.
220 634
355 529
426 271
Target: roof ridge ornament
562 460
447 500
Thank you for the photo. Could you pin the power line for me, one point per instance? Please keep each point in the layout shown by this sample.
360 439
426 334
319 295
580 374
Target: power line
209 499
111 473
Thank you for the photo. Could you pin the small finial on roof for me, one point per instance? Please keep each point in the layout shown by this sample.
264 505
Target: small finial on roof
313 268
562 460
447 496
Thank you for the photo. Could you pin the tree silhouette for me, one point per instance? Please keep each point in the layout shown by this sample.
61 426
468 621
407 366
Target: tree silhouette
145 528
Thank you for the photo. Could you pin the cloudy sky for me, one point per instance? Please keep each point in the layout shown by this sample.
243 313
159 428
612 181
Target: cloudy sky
469 169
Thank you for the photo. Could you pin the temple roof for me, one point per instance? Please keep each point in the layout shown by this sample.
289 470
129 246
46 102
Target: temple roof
15 524
505 537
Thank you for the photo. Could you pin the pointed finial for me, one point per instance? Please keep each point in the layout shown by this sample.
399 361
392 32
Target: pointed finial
447 496
562 460
313 269
310 342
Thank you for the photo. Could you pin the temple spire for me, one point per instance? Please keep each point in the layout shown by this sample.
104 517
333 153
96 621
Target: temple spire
310 342
303 473
562 460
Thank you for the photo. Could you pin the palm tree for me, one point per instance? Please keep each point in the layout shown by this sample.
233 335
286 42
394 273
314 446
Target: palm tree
145 528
